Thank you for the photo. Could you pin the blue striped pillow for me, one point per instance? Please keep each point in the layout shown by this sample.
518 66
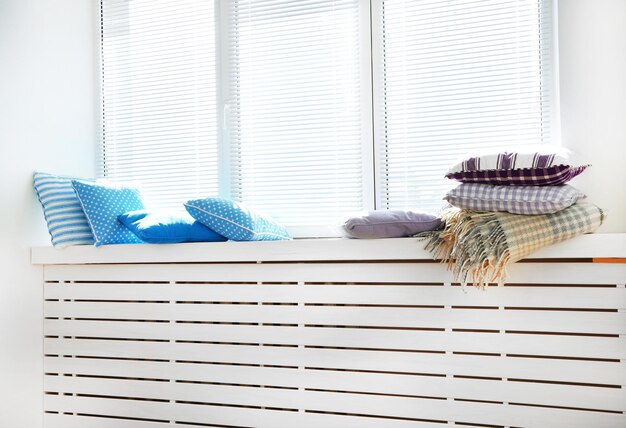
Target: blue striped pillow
64 214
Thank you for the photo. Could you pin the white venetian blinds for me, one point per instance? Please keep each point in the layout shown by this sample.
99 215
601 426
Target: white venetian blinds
312 109
295 108
159 97
457 76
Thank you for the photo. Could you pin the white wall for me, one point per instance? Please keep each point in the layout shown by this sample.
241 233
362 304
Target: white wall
47 123
592 39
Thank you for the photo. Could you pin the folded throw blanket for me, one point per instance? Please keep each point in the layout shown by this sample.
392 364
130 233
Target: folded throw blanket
478 246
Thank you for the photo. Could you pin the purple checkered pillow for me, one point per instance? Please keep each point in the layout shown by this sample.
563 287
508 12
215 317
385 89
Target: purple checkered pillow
521 169
531 200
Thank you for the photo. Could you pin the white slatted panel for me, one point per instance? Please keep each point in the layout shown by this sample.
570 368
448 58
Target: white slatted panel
457 77
298 101
462 341
383 383
159 97
338 345
517 320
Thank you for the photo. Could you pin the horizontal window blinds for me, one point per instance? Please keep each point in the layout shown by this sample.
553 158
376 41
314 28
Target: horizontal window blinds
455 77
159 97
295 108
312 109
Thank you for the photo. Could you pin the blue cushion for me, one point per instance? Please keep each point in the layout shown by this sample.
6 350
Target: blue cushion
167 227
64 215
236 221
102 203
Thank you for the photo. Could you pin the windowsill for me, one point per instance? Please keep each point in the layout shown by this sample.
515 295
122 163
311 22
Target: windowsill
327 249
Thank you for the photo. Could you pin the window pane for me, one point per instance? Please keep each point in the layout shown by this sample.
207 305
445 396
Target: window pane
159 97
295 108
457 76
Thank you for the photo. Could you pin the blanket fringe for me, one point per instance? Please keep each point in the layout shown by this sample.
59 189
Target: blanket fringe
474 247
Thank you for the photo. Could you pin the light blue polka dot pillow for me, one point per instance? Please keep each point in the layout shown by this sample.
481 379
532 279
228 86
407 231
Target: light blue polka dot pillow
102 203
236 221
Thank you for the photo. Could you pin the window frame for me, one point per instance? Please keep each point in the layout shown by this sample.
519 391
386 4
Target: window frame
371 95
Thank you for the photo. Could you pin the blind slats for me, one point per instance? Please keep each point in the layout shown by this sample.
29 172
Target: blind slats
454 77
295 95
159 98
284 125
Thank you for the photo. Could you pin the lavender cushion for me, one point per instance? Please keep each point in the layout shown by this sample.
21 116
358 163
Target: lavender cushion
521 169
531 200
390 224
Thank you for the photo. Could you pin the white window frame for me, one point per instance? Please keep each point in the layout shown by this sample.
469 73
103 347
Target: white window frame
371 96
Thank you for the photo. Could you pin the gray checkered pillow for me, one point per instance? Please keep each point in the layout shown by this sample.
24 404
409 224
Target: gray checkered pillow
531 200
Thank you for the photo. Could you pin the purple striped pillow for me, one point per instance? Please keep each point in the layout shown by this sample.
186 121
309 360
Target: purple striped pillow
520 169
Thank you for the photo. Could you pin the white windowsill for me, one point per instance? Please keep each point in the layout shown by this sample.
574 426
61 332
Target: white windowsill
334 249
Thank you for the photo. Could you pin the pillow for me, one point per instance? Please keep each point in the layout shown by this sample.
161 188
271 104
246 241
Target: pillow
390 224
235 221
102 203
514 199
64 215
529 169
167 227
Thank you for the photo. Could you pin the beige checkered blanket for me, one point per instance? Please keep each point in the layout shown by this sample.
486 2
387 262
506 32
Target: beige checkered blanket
478 246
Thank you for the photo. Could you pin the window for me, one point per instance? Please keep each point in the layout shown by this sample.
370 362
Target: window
296 106
159 110
457 76
311 109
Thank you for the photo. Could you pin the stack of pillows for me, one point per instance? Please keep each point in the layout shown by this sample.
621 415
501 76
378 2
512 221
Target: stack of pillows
518 183
100 212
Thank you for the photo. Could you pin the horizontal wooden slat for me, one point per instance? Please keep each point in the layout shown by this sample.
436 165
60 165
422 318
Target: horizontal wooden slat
279 420
553 273
474 365
244 396
555 321
72 421
592 245
538 297
526 344
381 383
349 403
194 414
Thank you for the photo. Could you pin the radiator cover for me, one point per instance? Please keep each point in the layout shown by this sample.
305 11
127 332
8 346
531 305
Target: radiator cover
342 344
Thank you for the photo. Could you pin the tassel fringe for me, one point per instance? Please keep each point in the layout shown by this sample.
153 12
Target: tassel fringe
473 246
